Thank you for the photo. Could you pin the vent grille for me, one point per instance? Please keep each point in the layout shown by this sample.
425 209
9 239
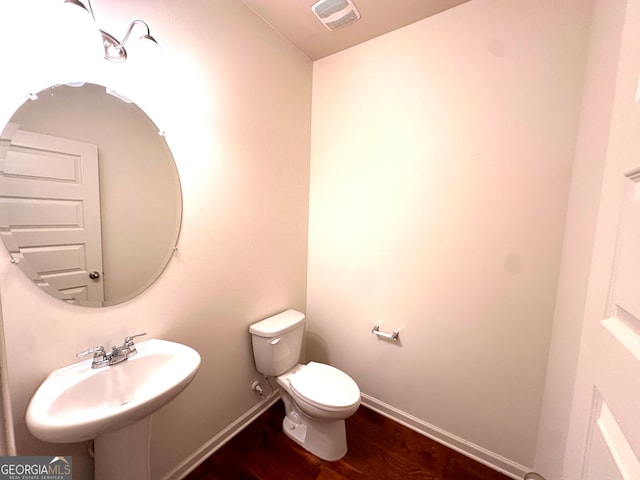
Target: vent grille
336 14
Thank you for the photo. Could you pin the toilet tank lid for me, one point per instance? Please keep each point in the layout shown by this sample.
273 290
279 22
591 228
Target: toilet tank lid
277 324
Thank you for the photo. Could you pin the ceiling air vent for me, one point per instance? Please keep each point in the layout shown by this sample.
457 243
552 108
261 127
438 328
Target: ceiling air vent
335 14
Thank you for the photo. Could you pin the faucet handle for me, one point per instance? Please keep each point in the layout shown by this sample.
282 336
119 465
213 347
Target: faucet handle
129 340
97 352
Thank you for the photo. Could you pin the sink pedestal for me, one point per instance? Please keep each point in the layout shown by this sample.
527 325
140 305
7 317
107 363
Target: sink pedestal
124 454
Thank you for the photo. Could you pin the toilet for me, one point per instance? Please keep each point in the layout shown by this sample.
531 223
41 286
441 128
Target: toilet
317 397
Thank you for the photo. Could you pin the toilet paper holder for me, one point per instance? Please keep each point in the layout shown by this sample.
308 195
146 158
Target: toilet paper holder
395 335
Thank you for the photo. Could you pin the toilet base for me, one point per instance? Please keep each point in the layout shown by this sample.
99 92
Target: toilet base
326 440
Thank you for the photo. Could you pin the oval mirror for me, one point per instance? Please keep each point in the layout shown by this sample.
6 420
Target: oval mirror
90 199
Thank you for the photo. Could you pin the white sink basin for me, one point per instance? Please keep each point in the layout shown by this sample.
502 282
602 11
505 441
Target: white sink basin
78 403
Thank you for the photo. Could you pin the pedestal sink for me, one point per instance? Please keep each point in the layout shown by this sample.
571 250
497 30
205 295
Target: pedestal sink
112 405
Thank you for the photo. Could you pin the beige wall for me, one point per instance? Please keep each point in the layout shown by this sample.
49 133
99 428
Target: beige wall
234 100
440 171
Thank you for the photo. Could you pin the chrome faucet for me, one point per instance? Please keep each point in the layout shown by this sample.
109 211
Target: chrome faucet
117 354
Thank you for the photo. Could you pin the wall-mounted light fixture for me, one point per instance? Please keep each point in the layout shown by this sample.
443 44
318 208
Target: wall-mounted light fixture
114 50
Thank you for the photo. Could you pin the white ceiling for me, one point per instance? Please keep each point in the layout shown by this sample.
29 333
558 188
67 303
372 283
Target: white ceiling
295 21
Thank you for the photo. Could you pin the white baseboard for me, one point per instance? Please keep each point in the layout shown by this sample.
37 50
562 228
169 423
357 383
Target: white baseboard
220 439
477 453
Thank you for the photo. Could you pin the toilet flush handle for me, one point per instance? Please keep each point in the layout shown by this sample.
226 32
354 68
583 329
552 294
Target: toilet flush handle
275 341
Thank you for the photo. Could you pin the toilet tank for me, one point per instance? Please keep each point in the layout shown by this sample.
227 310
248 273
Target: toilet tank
277 342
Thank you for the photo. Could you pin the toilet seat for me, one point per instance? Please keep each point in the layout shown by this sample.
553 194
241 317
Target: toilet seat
324 387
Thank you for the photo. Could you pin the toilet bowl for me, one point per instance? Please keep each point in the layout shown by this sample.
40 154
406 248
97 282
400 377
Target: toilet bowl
321 391
317 397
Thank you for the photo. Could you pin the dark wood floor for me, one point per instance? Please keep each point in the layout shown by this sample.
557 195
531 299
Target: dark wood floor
379 448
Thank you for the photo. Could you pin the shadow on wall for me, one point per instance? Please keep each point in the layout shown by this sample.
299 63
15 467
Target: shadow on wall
316 349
